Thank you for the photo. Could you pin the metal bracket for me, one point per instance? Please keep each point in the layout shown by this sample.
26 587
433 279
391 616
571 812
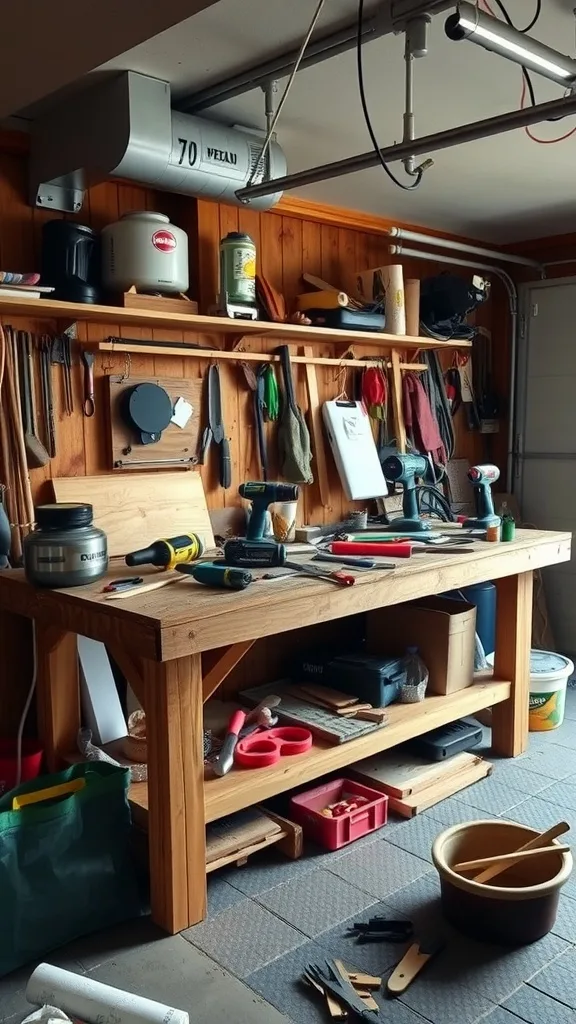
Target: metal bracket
51 196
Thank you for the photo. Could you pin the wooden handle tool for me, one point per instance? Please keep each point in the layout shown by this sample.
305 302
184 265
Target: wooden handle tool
411 964
508 858
544 839
121 595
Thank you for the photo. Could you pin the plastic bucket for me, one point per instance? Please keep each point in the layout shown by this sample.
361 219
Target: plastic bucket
31 762
549 674
518 906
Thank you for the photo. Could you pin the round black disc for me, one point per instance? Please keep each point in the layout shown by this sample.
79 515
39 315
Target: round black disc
149 408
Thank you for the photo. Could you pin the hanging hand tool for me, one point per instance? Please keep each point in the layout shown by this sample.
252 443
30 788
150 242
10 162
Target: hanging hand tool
217 425
89 404
225 759
36 454
166 554
411 964
45 345
215 574
67 348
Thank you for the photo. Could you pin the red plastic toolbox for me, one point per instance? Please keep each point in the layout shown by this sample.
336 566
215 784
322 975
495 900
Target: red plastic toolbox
333 833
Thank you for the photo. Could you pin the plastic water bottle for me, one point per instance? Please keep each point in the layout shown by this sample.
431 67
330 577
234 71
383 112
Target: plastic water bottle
413 689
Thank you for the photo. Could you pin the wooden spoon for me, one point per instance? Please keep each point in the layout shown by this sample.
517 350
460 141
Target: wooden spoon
544 839
507 859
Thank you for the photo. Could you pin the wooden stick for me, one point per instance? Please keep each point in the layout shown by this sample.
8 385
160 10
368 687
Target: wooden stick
509 858
544 839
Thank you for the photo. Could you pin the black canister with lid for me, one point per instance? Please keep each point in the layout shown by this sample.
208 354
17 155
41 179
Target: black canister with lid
65 549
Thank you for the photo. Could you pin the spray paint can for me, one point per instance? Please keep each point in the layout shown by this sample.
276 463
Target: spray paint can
237 272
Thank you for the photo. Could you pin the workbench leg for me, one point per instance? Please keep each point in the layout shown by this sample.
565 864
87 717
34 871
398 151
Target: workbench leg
57 693
176 829
512 661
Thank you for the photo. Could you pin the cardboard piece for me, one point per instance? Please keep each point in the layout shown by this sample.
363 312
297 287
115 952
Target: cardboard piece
413 805
443 630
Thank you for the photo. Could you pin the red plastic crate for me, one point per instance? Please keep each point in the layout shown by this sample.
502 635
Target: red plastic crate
336 832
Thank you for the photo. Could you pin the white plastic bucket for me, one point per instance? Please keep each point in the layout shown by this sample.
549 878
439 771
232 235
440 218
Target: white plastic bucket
549 674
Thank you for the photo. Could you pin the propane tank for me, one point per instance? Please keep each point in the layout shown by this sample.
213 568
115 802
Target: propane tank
144 249
238 276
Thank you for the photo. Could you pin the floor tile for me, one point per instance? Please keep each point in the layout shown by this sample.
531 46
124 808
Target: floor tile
174 972
446 1002
492 796
554 762
374 957
496 971
266 870
500 1016
416 836
380 868
565 924
453 812
535 1007
541 814
280 983
562 793
92 950
510 773
316 902
244 938
558 979
221 895
420 903
13 985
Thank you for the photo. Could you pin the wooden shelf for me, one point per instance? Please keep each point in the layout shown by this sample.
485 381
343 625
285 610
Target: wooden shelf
242 788
49 309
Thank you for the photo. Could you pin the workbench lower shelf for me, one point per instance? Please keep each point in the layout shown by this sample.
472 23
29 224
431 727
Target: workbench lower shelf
242 788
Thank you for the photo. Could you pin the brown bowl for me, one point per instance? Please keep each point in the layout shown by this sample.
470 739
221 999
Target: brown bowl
518 906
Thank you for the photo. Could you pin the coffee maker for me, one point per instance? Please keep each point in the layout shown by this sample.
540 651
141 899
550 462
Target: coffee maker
71 261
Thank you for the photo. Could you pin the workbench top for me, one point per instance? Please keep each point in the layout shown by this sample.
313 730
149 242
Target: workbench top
187 617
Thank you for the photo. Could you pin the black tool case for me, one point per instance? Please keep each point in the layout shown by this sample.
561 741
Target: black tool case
372 678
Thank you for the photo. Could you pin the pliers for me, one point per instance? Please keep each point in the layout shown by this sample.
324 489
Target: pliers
379 929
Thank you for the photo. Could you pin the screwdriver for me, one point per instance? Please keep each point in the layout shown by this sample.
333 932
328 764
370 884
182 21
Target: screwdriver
357 563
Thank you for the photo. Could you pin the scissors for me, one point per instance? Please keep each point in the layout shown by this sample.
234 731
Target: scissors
261 749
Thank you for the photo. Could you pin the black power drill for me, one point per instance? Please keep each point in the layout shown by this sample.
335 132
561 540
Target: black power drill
255 551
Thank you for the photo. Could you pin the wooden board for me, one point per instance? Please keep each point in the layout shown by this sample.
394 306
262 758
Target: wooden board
322 723
402 774
413 805
138 509
233 834
175 442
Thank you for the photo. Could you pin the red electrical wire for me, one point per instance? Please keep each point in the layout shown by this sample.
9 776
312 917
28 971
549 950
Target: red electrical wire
542 142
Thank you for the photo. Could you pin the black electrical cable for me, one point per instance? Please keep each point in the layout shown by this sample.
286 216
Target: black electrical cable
372 134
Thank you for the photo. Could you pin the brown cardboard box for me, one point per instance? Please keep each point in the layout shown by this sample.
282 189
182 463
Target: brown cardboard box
443 630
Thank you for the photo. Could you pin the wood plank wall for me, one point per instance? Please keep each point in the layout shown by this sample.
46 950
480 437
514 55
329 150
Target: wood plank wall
288 245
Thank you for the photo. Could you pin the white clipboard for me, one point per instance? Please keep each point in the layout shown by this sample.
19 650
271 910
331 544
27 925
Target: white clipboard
354 450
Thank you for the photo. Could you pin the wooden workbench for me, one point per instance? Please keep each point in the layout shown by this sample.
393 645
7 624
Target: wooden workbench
157 639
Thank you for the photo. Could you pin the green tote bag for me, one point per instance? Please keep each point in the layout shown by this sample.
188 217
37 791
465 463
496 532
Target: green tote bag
65 862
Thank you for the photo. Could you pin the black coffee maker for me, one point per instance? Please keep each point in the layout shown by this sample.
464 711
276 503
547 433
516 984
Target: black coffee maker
71 261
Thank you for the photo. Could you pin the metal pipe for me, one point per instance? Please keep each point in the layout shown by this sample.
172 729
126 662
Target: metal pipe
391 19
512 292
484 129
497 36
475 250
409 161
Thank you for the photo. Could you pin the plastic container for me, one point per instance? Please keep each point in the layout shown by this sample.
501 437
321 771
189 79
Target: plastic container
518 906
549 674
333 833
413 686
31 762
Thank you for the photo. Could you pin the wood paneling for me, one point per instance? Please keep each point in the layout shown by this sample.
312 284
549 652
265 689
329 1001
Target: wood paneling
328 244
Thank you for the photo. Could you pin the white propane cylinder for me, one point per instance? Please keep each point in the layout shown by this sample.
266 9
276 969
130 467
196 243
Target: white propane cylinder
145 250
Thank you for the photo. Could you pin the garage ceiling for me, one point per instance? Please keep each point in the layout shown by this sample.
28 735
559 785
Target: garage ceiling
499 190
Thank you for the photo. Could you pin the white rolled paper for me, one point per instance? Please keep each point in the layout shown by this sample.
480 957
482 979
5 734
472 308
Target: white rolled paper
394 305
95 1003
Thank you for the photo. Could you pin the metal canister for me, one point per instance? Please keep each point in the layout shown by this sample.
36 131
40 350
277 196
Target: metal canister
65 549
237 270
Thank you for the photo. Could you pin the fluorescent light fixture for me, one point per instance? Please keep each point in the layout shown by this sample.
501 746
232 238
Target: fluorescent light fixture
497 36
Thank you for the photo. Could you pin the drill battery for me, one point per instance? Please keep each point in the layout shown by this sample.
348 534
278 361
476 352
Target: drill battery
248 554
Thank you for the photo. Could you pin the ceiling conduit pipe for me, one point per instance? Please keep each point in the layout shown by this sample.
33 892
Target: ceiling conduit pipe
512 293
475 250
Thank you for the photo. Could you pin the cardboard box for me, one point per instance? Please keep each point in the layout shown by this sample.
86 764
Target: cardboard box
444 631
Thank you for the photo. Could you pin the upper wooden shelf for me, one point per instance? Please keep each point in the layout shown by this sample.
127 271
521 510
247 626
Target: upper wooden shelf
50 309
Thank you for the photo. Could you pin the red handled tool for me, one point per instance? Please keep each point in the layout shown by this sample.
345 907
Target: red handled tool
398 549
225 759
263 749
343 579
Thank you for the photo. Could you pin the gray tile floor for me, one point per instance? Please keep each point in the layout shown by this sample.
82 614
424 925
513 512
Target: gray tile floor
267 920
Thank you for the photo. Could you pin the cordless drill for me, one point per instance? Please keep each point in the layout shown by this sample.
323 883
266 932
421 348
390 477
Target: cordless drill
482 478
403 469
166 554
255 551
